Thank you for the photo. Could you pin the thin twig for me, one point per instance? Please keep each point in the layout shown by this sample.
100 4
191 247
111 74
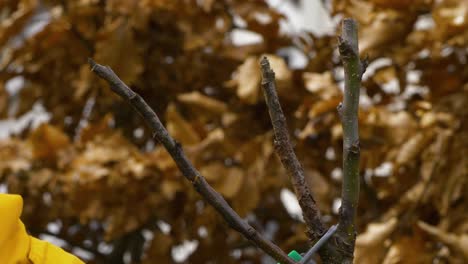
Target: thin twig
284 149
307 258
185 166
353 68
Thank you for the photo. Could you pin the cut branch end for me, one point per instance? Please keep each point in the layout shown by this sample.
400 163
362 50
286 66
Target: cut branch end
268 75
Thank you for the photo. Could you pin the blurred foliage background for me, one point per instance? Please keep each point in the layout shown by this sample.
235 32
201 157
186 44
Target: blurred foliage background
95 183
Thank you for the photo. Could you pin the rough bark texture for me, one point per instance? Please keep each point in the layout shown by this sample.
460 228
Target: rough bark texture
287 156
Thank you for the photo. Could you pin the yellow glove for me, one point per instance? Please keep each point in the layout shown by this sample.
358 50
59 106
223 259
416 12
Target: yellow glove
17 247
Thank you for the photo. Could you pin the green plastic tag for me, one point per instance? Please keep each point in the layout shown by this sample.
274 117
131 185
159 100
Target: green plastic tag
294 255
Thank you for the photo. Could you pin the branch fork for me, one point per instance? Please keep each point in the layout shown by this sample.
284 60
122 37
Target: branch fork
340 245
340 249
185 166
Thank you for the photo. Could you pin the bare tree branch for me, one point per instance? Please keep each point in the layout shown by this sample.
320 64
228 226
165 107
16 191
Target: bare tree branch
353 68
330 252
185 166
287 156
341 249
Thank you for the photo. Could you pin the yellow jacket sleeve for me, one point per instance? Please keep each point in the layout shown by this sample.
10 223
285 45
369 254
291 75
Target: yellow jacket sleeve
17 247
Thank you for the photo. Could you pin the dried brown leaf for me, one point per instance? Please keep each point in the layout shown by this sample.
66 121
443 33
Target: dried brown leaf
370 245
117 48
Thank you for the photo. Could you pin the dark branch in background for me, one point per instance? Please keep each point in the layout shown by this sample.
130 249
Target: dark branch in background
353 69
185 166
285 151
